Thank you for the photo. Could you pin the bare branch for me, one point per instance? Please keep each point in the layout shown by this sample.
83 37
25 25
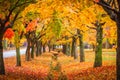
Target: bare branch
107 6
70 32
118 2
10 12
41 36
91 27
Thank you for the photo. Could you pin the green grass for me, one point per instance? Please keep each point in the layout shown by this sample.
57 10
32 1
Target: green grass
109 57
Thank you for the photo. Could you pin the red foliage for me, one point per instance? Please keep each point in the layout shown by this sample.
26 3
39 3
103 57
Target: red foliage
97 1
9 33
31 26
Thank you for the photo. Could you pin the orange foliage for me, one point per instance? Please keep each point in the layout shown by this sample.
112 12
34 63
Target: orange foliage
32 25
6 24
9 33
96 0
100 73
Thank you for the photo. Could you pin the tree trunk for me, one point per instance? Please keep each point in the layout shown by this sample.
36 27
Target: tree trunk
5 44
40 48
107 46
44 49
49 46
118 46
2 68
53 47
37 46
32 51
28 51
73 50
72 47
82 55
93 46
64 48
68 48
18 56
98 51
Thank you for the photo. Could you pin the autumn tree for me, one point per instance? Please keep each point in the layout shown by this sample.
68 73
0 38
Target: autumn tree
18 30
9 12
98 22
112 7
76 21
30 32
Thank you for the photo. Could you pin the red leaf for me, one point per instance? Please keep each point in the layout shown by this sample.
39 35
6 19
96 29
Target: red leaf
97 1
31 26
9 33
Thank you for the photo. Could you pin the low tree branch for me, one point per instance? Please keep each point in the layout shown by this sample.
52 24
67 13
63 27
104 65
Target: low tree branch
91 27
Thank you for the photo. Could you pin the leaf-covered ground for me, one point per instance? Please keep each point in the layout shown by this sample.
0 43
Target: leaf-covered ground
38 68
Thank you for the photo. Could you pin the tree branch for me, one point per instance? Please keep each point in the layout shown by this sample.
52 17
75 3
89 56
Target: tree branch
91 27
23 3
21 35
12 22
41 36
10 12
110 11
107 6
118 2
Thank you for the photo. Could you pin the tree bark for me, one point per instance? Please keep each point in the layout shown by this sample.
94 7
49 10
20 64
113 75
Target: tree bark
32 51
28 51
67 47
107 44
118 46
18 63
73 50
98 51
53 47
44 49
5 44
64 48
2 68
40 48
82 55
37 46
49 46
93 46
69 53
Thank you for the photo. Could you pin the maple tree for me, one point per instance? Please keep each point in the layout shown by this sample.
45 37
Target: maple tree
30 29
9 11
18 30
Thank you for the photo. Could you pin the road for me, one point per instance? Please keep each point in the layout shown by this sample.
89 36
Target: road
11 53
